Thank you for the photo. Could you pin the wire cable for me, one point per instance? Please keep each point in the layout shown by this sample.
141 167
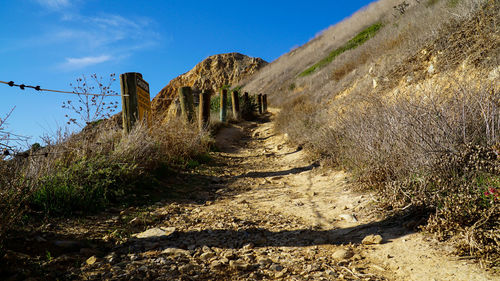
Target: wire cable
38 88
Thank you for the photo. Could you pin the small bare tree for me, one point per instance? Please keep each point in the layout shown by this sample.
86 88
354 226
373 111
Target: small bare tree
91 104
7 137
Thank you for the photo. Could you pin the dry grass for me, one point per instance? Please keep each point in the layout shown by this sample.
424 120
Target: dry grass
88 170
415 113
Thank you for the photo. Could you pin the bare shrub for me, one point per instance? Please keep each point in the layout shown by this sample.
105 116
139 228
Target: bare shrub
164 142
91 102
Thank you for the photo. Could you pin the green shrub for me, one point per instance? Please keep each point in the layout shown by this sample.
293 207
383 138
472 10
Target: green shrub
87 185
358 40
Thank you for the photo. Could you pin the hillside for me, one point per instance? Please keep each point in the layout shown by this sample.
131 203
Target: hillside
378 159
405 95
211 74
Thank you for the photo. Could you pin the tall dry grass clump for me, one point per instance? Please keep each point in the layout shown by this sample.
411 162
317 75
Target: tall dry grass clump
84 172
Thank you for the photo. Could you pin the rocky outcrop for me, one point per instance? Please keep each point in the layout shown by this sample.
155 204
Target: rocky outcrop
210 74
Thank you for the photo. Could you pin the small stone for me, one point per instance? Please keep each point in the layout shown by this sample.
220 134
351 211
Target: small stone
156 233
207 255
276 267
216 264
175 251
91 260
372 239
342 254
206 249
239 265
348 217
248 246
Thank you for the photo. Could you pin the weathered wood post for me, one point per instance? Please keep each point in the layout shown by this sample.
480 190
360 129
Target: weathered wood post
236 104
223 105
246 99
136 103
204 116
264 103
187 104
259 99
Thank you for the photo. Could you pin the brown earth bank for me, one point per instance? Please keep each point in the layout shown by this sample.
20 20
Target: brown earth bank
211 74
261 210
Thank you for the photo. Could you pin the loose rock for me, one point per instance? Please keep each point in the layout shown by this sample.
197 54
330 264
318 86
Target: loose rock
372 239
156 233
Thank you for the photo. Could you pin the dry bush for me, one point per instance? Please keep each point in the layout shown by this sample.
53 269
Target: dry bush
397 143
162 143
88 170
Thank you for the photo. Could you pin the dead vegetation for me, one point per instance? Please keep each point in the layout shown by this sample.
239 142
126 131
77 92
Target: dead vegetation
415 113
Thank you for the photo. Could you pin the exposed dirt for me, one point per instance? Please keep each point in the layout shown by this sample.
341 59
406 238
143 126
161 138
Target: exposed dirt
262 210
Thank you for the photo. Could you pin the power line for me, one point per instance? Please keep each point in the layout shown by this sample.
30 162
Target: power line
38 88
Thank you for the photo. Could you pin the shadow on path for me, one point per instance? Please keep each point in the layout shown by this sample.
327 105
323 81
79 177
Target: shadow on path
279 173
390 228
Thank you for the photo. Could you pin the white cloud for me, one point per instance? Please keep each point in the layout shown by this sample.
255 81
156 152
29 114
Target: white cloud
75 63
54 4
80 34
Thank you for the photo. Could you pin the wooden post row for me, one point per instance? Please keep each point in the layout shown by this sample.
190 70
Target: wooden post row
136 103
264 103
236 104
259 99
204 115
187 104
246 99
223 105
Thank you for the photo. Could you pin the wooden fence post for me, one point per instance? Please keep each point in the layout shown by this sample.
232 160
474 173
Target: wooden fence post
136 103
187 105
223 105
264 103
204 116
236 104
259 98
246 99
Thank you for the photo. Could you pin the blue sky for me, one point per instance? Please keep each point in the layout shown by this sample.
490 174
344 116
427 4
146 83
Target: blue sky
53 42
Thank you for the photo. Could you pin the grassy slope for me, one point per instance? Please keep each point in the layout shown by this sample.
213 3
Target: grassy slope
359 39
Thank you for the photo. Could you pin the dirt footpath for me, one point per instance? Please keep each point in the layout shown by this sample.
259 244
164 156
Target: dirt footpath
282 179
262 210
